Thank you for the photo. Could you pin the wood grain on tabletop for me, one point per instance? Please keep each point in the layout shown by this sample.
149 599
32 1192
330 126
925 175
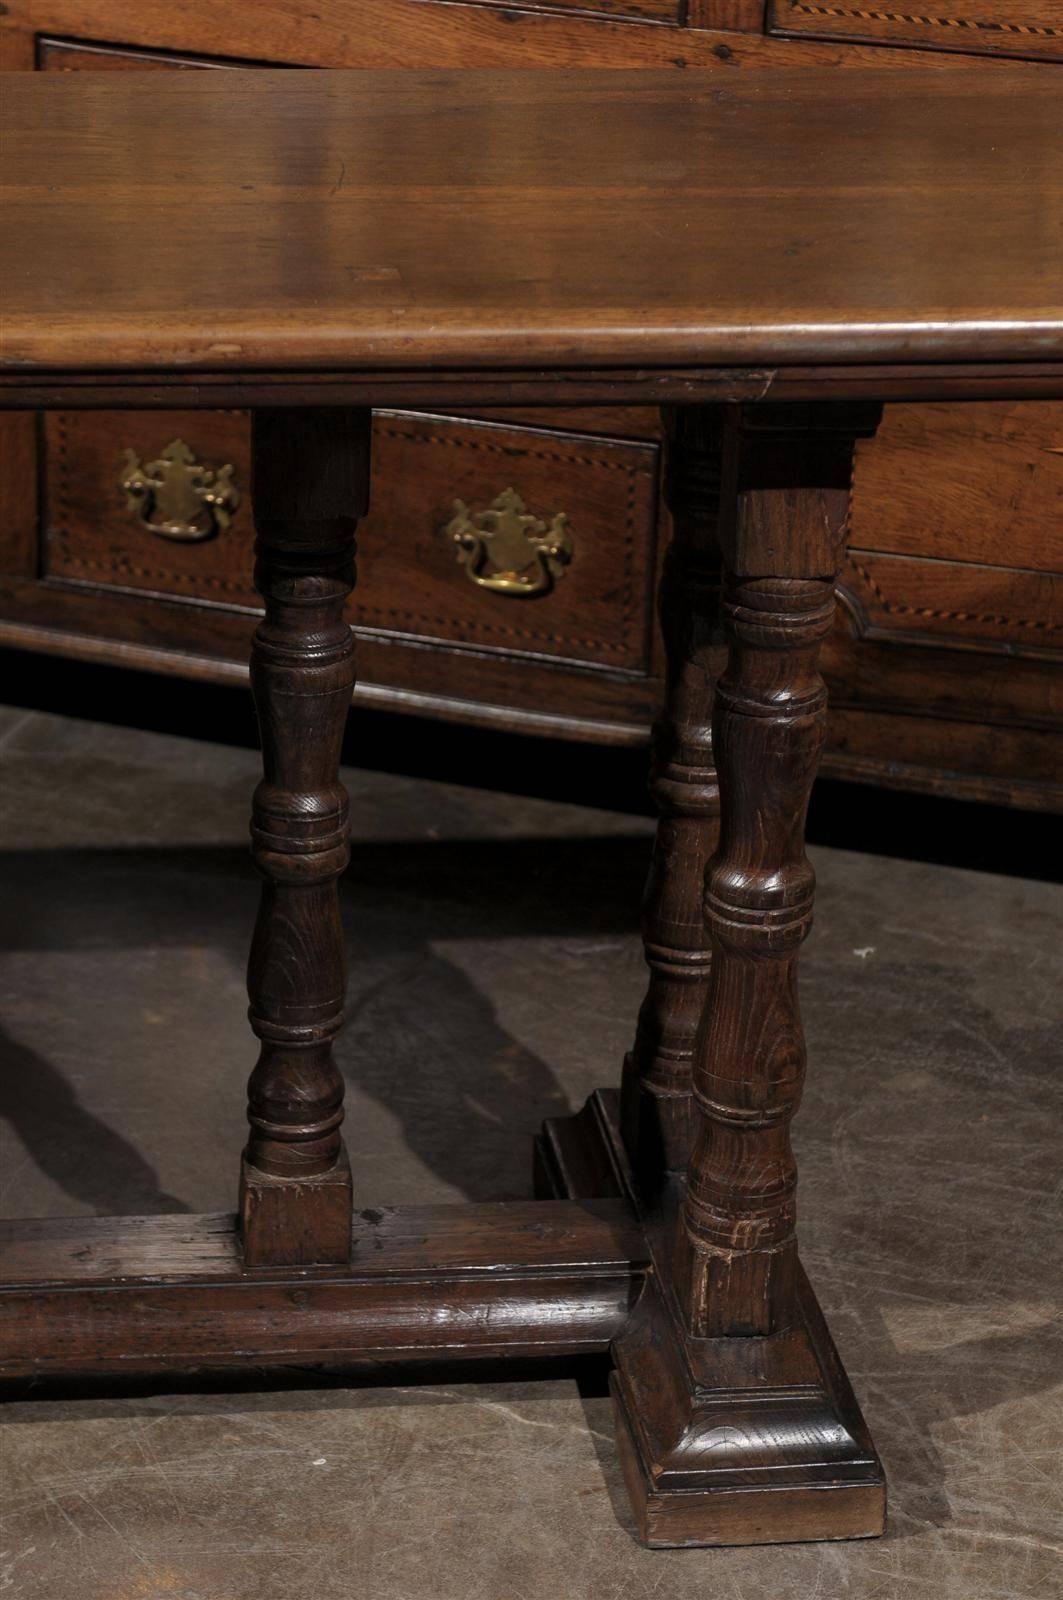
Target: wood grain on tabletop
347 218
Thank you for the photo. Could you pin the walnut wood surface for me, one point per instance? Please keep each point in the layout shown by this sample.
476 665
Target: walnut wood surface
899 662
409 581
932 471
342 208
430 34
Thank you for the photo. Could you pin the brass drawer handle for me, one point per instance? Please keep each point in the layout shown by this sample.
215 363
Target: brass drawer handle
177 498
508 550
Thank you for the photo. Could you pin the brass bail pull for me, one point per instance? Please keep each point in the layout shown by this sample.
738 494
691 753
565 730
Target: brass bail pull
178 498
509 550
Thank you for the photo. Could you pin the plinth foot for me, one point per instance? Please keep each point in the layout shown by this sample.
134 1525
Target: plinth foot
741 1441
296 1222
723 1441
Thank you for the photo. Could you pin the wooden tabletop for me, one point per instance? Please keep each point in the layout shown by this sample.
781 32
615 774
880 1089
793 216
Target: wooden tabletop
337 221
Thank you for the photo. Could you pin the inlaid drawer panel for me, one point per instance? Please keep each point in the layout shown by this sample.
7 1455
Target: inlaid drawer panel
956 527
953 603
995 27
500 538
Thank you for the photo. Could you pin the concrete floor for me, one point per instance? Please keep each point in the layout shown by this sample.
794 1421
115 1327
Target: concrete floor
495 976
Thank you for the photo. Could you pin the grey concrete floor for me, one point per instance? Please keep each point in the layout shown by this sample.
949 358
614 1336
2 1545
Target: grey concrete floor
495 976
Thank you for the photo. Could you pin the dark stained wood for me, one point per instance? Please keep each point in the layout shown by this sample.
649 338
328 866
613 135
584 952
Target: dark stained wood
444 390
212 642
735 1421
386 1241
728 1318
760 1442
585 1156
918 600
310 472
570 163
977 483
956 531
165 1294
18 483
782 528
721 1440
1002 748
902 752
658 1124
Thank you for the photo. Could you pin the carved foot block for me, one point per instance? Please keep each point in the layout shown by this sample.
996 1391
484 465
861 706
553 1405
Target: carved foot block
724 1440
741 1441
296 1222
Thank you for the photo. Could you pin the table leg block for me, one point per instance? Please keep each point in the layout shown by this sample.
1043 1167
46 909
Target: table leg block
741 1441
310 485
295 1222
723 1441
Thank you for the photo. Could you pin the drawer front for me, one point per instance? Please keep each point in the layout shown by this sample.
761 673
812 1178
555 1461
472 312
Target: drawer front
910 600
456 548
956 528
1032 28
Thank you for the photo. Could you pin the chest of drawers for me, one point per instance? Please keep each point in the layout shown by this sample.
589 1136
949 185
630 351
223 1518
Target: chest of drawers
944 663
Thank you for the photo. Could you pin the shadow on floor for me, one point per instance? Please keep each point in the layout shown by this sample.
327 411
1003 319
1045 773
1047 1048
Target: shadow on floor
844 816
110 1175
421 1038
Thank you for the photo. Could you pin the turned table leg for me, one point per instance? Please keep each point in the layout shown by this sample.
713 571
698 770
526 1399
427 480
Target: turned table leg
736 1422
582 1155
310 472
655 1113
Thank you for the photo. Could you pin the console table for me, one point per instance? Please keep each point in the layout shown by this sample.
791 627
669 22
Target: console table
310 246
